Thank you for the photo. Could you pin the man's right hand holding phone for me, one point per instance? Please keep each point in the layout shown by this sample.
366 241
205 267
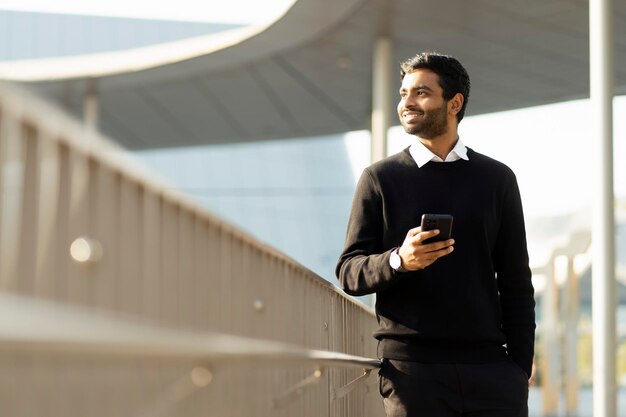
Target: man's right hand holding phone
416 255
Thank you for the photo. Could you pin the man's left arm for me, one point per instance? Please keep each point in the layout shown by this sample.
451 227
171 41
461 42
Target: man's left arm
514 280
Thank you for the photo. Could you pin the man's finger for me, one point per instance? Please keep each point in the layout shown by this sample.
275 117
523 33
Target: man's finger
427 234
435 246
442 252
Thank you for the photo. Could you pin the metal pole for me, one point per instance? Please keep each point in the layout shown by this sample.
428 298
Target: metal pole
603 231
381 96
90 106
571 300
550 343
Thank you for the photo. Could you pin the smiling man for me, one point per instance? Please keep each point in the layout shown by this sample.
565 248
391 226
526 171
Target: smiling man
456 317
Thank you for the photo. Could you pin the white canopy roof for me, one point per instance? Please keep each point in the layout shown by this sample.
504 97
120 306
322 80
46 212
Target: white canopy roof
310 72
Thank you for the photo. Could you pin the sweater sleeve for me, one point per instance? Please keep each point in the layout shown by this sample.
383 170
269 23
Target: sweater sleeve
514 280
363 267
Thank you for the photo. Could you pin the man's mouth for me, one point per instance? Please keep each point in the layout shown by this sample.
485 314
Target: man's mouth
409 116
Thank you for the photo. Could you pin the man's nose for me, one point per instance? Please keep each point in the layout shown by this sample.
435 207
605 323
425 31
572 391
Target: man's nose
409 101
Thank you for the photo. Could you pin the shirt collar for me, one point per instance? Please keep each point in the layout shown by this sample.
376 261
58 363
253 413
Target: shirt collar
422 155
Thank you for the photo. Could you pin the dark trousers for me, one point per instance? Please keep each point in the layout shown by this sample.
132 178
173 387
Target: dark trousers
412 389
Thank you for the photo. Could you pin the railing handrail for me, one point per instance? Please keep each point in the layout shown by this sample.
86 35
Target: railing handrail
28 324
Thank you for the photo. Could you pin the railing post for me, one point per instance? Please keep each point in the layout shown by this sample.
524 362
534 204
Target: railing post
11 193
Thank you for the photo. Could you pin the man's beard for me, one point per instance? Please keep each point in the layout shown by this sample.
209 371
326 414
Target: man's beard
435 123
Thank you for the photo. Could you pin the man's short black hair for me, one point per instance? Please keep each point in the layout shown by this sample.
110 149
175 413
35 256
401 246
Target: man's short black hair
453 78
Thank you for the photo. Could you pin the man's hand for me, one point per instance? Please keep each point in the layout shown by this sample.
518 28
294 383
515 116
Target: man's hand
415 254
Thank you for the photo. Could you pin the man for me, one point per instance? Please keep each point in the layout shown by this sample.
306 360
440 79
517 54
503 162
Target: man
456 318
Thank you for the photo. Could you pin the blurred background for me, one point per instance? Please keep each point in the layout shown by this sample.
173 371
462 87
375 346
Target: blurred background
254 120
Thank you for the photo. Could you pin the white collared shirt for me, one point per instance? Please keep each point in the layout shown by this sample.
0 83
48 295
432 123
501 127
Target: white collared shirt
422 155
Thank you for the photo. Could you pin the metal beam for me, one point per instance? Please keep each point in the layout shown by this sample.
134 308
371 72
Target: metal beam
603 231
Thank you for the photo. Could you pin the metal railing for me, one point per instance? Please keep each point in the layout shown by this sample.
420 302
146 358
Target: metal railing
82 226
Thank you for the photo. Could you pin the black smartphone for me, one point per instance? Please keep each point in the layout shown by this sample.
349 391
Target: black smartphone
443 222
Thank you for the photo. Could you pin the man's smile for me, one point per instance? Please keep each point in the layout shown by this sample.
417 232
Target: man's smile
411 115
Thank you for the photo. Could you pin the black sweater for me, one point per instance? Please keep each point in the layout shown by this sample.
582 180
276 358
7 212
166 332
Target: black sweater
468 304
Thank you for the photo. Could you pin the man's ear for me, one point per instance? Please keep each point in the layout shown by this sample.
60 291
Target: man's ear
455 104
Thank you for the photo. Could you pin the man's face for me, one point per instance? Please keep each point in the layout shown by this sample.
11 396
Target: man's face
422 110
